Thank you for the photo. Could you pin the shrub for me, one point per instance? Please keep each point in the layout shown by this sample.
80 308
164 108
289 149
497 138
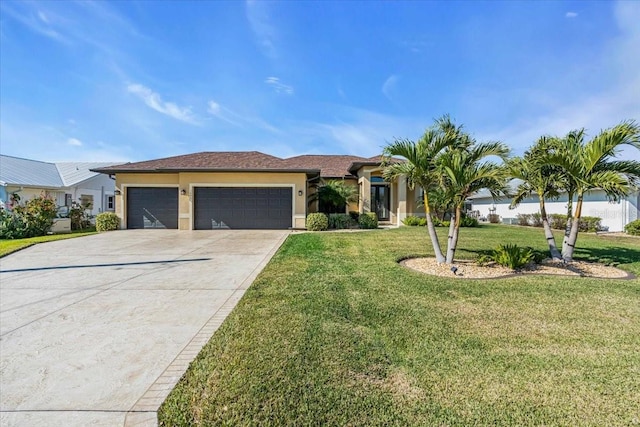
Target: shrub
558 221
33 219
354 215
445 223
483 260
469 222
414 221
437 222
512 256
11 226
107 221
536 219
317 222
523 219
587 223
590 223
633 228
368 220
494 218
79 217
339 221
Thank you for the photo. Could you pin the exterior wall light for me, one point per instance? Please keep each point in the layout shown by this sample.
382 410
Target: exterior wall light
117 192
183 192
300 193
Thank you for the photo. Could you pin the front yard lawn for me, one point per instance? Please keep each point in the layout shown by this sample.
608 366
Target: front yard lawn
8 246
335 332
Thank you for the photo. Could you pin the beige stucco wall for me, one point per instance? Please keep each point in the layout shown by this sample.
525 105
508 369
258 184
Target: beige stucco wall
188 180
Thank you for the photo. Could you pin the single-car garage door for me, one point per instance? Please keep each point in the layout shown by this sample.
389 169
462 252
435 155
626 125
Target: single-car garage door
246 207
152 207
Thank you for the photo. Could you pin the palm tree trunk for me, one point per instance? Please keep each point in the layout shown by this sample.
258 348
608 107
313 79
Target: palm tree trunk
567 254
551 241
432 231
454 229
567 227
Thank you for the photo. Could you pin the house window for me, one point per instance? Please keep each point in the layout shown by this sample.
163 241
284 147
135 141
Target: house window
110 203
86 200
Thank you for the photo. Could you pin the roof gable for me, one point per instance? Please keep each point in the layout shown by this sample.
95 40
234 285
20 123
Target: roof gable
73 173
330 165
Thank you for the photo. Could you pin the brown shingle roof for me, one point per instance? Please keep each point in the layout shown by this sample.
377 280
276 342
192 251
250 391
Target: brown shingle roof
331 166
207 161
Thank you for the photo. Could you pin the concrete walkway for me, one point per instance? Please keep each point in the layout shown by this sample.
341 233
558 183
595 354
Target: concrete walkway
97 330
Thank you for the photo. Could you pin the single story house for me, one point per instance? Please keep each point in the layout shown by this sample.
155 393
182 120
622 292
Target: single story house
614 215
211 190
66 182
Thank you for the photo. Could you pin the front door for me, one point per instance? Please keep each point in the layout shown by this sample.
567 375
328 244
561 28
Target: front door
380 201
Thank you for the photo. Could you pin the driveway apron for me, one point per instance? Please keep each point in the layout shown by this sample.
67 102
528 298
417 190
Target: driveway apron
97 330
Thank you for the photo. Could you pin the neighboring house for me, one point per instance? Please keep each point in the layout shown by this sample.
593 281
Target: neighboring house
614 215
211 190
65 182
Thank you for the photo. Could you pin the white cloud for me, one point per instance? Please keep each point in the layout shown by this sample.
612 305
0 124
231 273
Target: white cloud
75 142
571 14
357 132
389 85
278 86
154 100
265 32
239 120
36 20
214 108
43 17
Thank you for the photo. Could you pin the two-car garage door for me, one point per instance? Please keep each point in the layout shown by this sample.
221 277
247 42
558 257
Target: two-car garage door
213 207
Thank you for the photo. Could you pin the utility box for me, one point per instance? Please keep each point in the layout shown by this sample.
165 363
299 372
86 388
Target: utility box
61 225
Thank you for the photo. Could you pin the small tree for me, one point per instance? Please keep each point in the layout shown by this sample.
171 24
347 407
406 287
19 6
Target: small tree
333 196
590 166
420 165
540 178
465 171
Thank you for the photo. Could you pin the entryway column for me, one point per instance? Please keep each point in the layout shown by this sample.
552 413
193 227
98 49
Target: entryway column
364 205
402 200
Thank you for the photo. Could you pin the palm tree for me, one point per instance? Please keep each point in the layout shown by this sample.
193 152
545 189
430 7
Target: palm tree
540 178
420 164
590 166
465 171
334 196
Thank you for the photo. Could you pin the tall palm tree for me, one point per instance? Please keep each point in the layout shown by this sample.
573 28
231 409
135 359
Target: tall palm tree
465 171
591 166
420 164
539 178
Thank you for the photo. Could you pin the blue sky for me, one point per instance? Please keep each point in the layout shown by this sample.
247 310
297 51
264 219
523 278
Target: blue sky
138 80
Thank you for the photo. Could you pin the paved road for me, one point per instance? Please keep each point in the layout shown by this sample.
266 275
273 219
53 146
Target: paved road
97 330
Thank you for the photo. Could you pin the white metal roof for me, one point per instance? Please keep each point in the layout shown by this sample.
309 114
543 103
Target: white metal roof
34 173
73 173
18 171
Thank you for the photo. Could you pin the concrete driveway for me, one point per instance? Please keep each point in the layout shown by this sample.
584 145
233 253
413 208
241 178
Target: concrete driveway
97 330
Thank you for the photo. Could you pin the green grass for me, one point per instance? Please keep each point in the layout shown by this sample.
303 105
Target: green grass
8 246
335 332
